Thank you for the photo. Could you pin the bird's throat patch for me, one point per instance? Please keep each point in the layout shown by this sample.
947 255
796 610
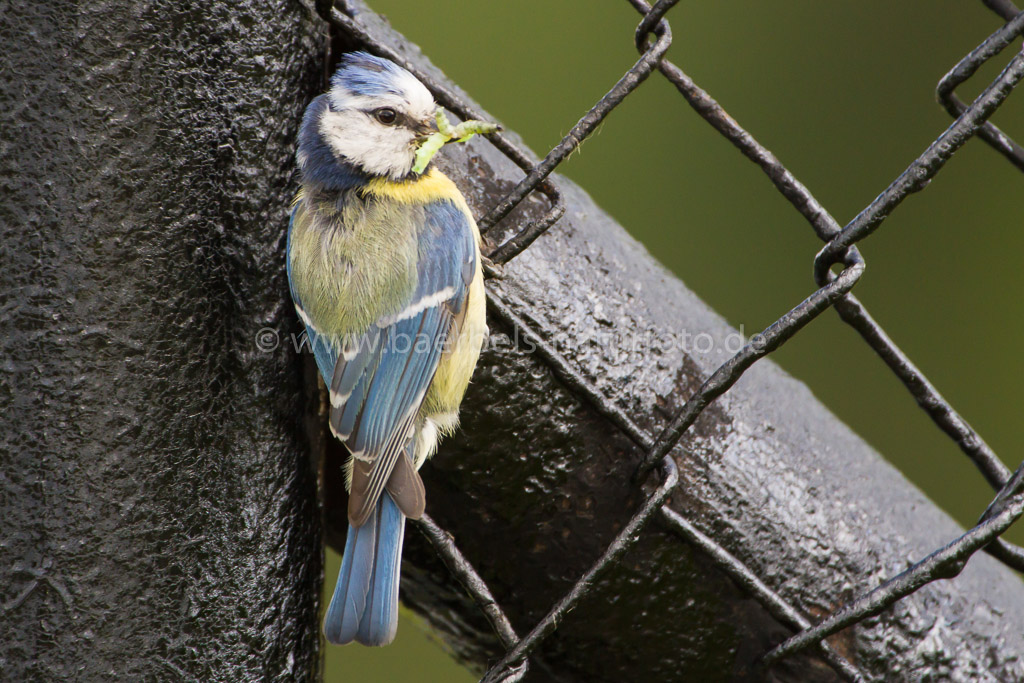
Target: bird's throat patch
432 186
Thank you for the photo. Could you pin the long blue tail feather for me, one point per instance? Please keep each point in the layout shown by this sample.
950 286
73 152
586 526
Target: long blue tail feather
365 603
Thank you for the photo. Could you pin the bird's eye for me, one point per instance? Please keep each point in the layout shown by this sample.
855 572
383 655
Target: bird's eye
386 115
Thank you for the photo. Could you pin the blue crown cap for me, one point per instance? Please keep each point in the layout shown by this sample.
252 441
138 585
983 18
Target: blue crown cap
360 73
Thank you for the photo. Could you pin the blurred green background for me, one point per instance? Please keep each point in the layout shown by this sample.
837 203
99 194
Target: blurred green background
843 93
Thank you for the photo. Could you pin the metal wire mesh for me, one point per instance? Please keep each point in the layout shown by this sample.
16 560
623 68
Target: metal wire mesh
652 38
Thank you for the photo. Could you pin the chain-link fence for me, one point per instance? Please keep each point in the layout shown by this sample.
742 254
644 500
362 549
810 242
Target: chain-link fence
837 268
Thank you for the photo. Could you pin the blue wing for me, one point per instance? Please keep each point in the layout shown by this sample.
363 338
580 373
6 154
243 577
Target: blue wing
378 381
377 388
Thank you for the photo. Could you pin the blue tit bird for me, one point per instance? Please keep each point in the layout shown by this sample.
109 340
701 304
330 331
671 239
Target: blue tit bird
384 270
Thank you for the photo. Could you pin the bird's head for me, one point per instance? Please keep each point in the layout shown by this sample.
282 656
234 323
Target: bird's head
373 118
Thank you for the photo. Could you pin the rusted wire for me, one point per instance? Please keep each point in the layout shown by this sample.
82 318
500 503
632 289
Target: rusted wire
967 67
924 168
850 310
629 82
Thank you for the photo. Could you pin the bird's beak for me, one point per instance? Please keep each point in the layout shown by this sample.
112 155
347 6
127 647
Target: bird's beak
425 128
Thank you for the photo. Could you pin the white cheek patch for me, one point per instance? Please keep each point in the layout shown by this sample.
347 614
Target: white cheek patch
376 148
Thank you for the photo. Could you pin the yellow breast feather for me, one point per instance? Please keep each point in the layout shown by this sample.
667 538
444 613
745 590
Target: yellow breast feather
432 186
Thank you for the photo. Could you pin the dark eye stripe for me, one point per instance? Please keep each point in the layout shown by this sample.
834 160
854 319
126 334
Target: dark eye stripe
401 118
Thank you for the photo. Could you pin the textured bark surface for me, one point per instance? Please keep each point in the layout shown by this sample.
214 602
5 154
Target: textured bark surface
537 483
158 516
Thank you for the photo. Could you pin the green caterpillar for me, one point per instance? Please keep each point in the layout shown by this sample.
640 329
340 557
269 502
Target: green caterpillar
447 133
